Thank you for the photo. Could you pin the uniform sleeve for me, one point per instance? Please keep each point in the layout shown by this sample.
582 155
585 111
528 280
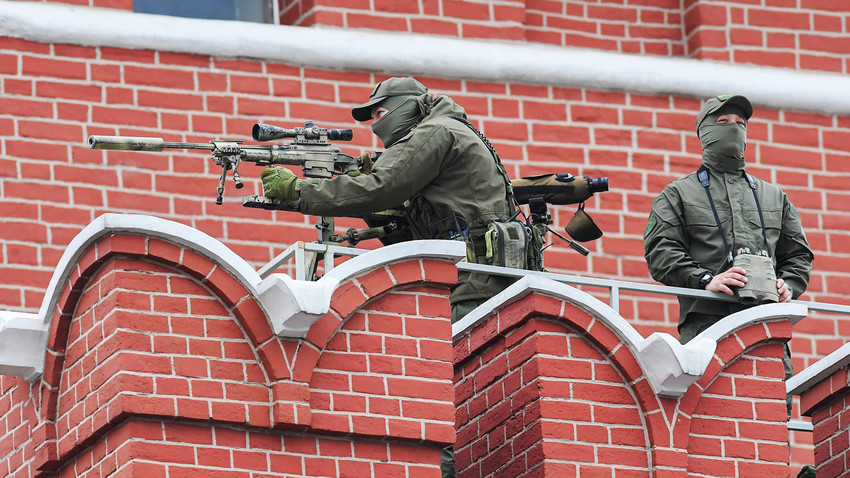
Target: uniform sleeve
666 243
402 170
793 255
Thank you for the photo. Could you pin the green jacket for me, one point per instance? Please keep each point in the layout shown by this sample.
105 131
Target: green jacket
442 170
682 241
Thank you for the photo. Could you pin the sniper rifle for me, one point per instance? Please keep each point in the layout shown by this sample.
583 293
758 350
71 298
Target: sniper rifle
309 148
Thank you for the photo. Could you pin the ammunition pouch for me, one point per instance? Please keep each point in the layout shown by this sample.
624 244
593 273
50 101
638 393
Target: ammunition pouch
507 244
760 287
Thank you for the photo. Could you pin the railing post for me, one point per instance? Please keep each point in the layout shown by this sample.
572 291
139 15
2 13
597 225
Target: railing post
614 300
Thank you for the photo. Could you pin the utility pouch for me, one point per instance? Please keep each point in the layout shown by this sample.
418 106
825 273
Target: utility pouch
535 247
760 287
507 244
470 250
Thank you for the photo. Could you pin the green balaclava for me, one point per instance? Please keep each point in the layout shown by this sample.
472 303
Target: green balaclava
399 95
723 144
403 113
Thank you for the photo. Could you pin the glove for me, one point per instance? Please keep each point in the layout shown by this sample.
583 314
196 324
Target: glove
365 167
280 183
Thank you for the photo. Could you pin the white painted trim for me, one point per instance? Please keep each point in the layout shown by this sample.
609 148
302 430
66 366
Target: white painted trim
18 333
794 312
800 426
669 366
434 56
291 306
297 305
30 332
819 371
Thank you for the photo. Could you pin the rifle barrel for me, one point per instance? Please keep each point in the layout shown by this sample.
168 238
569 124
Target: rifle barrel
132 143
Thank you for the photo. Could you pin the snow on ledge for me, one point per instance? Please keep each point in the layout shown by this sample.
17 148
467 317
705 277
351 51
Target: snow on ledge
291 306
669 366
434 56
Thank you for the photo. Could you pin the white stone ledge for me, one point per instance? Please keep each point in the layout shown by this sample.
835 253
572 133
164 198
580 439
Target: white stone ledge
291 306
819 371
431 55
669 366
20 334
297 305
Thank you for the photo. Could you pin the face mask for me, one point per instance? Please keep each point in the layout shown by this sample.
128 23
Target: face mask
723 145
402 116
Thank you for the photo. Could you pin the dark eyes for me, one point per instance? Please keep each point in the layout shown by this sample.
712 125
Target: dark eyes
724 121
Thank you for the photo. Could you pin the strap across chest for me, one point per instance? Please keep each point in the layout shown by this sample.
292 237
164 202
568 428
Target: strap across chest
702 175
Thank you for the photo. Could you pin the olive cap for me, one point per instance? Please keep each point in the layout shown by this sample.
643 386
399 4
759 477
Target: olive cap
712 105
395 86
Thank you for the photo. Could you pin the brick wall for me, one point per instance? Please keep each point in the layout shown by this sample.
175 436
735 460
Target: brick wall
159 361
546 388
52 96
803 35
826 402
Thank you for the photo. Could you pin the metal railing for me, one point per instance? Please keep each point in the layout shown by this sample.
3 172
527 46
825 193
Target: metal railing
300 251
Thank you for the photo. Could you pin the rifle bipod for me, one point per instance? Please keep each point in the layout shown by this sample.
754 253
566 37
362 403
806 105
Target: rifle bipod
307 255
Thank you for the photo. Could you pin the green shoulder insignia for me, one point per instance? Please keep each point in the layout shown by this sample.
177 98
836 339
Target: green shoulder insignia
650 224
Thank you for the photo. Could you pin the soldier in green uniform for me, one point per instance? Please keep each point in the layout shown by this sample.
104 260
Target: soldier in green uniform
447 177
686 247
701 221
451 183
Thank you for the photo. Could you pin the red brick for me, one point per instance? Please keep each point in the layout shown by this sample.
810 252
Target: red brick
406 272
161 77
51 67
159 99
258 85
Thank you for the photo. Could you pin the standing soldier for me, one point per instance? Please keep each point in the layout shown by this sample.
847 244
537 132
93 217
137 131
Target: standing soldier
723 230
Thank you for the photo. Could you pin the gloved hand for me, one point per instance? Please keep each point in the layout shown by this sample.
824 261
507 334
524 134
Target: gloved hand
365 167
280 183
761 286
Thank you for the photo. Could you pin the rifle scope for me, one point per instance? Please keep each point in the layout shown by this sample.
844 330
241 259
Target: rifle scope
267 132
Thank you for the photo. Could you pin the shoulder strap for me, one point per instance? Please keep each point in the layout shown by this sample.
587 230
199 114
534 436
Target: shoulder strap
702 175
509 190
752 182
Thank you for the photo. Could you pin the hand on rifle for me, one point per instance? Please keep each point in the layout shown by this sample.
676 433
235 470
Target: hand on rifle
365 165
280 183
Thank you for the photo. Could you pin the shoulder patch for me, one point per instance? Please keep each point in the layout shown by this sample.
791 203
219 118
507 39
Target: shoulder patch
650 224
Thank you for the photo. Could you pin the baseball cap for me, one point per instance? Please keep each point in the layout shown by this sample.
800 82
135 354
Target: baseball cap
396 86
714 104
